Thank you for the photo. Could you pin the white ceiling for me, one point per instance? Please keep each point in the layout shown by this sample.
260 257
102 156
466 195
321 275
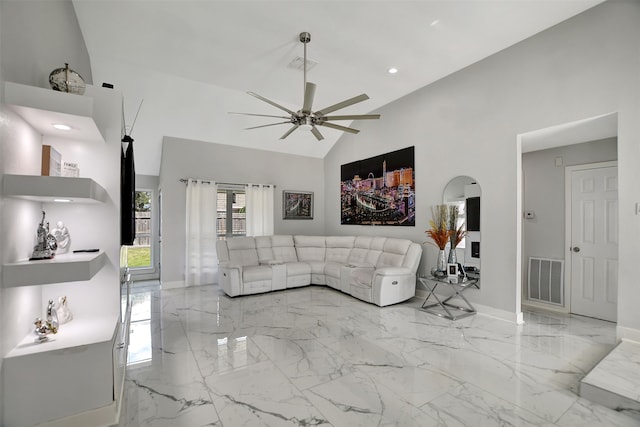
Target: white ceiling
193 61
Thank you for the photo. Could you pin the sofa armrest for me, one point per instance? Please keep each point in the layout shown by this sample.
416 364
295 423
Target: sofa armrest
392 271
392 285
230 278
229 265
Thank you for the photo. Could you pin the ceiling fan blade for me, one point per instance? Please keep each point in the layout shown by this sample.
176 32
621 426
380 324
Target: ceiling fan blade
268 101
353 117
316 133
309 93
342 104
258 115
290 131
271 124
334 126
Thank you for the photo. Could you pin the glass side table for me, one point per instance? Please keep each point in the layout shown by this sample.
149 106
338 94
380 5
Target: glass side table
451 311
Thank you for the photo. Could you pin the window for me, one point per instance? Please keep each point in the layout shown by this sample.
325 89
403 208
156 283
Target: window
139 255
231 215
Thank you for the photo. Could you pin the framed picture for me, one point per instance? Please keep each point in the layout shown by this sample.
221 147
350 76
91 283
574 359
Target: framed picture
51 161
452 272
297 204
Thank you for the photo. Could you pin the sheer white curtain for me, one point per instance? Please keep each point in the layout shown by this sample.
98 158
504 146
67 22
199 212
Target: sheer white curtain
201 266
259 202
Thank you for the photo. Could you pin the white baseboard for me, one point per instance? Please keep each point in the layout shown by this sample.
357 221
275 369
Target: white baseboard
100 417
486 310
172 285
628 334
545 307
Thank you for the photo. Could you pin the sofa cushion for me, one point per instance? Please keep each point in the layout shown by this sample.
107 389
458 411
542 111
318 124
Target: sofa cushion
263 247
298 268
256 273
242 251
283 249
366 250
317 267
394 252
310 248
332 269
339 248
362 276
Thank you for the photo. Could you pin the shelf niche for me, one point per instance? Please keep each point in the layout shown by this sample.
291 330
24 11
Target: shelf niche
43 107
62 268
52 188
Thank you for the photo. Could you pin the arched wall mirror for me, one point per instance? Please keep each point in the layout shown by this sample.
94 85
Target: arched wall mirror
464 192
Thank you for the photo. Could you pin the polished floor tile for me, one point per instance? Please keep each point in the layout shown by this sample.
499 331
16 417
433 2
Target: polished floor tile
315 356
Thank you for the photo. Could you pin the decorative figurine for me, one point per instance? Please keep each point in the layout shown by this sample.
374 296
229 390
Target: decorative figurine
64 314
61 234
46 245
43 329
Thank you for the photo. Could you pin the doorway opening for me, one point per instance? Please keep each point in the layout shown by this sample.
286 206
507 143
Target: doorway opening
553 268
142 255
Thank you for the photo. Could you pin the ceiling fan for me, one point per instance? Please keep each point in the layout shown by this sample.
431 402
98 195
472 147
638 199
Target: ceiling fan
306 118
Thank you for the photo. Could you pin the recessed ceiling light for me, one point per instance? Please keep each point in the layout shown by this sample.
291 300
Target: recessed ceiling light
392 70
60 126
435 22
62 200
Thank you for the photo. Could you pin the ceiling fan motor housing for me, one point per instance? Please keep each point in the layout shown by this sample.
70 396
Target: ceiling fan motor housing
305 37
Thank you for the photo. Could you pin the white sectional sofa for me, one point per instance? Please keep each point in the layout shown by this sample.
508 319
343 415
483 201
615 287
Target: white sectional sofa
379 270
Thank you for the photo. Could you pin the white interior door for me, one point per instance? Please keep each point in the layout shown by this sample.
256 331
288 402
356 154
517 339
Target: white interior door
594 242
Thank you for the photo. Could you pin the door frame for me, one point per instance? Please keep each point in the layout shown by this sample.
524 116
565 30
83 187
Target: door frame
568 188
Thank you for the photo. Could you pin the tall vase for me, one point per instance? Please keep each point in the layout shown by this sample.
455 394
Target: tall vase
453 257
442 261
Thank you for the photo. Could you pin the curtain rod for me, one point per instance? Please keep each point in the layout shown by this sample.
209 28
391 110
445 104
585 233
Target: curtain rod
185 180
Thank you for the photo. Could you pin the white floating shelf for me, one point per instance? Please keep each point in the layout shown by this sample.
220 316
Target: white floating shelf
41 108
53 188
62 268
76 333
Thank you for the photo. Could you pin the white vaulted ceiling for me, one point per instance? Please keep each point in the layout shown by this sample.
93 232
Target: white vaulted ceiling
193 61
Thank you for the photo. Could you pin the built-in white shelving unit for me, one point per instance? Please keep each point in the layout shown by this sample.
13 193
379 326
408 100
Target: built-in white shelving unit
43 107
62 268
53 189
75 376
77 333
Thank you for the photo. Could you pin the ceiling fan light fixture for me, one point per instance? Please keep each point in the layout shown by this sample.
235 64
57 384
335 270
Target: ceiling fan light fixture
305 126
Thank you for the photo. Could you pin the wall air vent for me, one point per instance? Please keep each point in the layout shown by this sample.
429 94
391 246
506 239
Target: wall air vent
546 280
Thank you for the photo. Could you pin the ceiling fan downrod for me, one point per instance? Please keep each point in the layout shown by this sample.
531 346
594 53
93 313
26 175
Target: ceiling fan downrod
305 38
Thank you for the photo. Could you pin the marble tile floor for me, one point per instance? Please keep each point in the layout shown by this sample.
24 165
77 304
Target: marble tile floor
314 356
615 381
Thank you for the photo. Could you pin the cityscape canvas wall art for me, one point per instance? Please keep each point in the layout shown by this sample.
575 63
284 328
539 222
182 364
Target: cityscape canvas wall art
379 190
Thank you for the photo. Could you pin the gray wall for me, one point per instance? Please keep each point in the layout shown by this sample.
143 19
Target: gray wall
468 124
39 36
28 53
182 158
544 236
